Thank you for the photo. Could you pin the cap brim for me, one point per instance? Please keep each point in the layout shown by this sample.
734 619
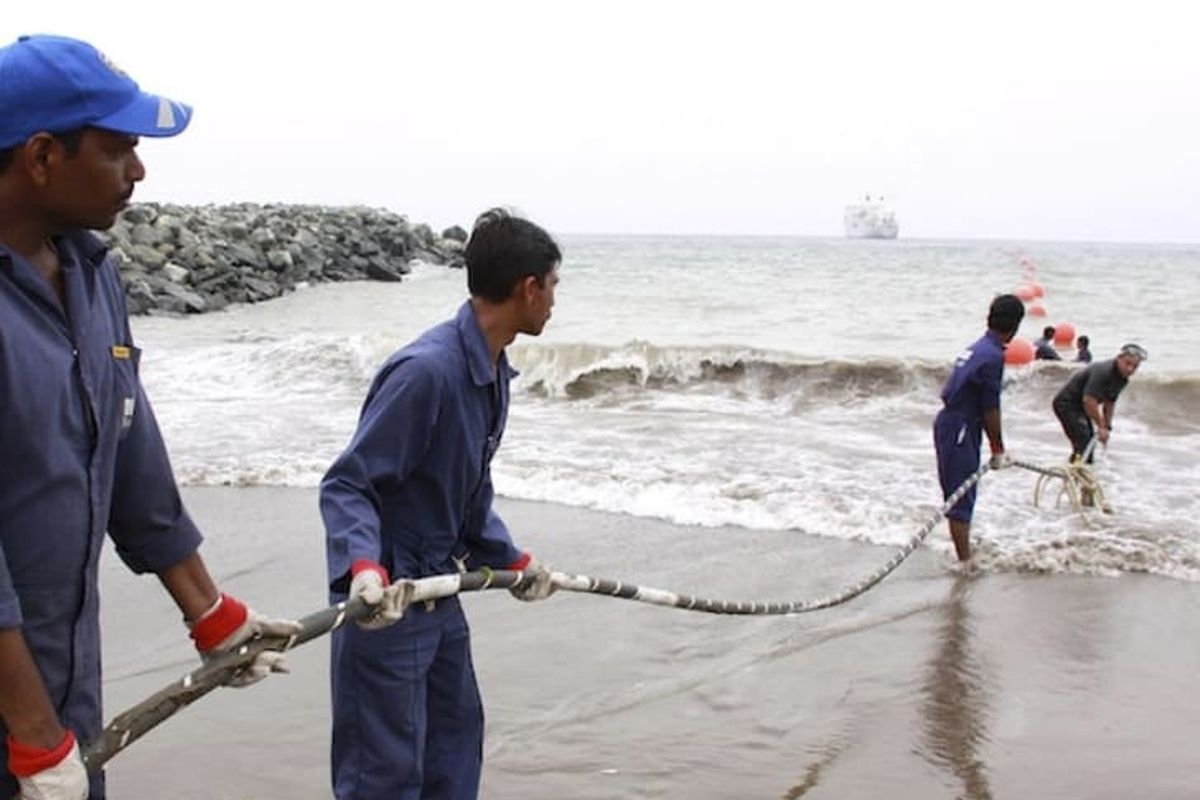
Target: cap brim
148 115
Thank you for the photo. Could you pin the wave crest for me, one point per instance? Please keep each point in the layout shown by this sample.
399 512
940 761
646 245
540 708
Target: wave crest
581 371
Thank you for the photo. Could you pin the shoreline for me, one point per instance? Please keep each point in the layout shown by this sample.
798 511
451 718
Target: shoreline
949 686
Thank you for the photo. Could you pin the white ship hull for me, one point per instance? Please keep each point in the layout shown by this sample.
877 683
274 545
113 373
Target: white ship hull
870 220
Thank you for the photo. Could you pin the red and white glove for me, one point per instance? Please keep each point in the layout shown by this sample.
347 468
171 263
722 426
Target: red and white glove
540 587
369 581
231 623
55 774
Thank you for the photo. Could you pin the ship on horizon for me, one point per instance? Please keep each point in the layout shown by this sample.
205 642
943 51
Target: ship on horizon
870 219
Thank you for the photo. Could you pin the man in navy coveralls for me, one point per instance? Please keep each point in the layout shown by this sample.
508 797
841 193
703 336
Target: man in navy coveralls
80 450
970 406
411 497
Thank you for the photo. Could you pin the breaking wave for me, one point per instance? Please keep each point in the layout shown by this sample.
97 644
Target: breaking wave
589 371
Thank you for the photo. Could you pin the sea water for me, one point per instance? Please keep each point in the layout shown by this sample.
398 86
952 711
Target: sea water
762 383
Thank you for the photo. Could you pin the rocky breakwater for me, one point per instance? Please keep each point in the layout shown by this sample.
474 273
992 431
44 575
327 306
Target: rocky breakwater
192 259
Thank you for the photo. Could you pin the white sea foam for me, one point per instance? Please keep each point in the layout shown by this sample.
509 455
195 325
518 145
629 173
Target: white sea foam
756 394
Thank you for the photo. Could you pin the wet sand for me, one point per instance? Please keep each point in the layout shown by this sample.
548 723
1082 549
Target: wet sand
929 686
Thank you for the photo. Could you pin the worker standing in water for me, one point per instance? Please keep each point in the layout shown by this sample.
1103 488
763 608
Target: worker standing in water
970 407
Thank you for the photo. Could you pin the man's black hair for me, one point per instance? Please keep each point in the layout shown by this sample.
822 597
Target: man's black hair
71 141
1005 314
503 250
1083 341
1048 331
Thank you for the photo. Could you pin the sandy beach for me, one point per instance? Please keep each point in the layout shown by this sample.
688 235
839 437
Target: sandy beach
929 686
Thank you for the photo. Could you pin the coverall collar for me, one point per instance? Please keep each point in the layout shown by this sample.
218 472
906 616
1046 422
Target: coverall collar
479 359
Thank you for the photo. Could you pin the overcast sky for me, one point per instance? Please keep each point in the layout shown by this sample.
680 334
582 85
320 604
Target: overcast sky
1025 120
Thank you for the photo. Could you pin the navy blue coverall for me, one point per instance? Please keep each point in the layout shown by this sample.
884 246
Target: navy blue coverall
973 387
413 492
80 454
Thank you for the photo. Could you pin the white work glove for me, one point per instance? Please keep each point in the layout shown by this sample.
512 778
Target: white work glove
1000 460
540 587
229 624
65 779
389 601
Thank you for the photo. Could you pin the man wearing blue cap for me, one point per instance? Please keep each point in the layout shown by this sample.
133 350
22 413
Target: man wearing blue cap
81 452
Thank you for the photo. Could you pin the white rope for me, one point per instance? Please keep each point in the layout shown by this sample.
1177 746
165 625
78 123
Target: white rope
1080 486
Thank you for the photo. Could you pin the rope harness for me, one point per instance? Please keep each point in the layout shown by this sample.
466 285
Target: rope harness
1080 486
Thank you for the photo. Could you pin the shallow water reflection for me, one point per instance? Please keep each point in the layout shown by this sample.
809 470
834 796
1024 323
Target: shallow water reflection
956 700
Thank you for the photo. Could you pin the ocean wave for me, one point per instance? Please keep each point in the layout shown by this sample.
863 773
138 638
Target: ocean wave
590 371
583 371
249 364
710 436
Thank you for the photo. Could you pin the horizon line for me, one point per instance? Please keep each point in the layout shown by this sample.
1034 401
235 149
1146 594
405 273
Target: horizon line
899 239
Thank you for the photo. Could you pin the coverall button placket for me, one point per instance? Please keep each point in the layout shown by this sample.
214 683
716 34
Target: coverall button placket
70 469
79 312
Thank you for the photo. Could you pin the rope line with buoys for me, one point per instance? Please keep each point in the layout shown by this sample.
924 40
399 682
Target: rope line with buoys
132 724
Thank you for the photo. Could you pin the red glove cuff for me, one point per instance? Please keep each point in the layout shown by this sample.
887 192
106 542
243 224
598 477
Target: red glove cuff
219 622
25 760
367 565
522 562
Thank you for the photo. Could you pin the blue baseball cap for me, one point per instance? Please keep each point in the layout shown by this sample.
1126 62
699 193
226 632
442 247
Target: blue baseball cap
57 84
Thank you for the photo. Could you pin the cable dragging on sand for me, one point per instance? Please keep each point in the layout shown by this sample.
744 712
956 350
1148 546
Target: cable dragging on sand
582 583
134 723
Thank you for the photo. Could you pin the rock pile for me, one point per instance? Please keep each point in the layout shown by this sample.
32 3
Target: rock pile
191 259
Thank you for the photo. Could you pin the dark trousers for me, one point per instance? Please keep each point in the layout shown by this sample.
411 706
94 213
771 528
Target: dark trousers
407 716
1076 426
956 440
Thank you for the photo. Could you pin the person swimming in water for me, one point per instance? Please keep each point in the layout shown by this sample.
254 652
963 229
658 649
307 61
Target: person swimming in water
1043 348
1083 354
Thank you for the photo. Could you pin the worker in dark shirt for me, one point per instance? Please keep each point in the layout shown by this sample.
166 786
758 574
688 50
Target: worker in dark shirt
970 406
1043 348
1083 353
1085 404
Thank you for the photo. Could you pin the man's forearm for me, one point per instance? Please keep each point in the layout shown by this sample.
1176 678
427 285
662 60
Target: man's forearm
1094 412
991 426
190 585
24 704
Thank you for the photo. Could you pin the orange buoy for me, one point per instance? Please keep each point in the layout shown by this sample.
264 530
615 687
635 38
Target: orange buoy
1064 334
1018 351
1038 289
1025 293
1036 310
